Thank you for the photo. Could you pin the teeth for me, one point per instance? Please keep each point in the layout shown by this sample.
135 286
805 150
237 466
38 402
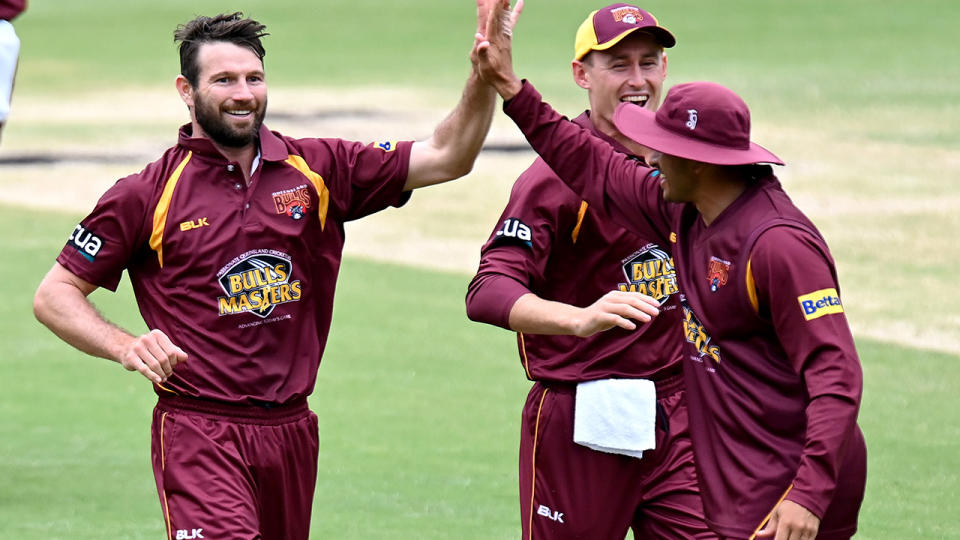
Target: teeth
635 99
239 112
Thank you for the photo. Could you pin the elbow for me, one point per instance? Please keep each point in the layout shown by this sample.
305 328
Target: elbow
41 304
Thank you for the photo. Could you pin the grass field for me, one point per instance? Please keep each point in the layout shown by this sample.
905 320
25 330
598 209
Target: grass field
419 408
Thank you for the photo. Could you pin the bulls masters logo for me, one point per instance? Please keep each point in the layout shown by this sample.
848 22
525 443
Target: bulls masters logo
256 282
650 271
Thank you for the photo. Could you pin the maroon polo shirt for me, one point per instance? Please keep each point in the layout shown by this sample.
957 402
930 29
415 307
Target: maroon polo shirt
773 378
550 242
242 278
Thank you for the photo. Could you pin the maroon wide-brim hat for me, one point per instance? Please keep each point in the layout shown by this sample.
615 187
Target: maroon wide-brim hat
702 121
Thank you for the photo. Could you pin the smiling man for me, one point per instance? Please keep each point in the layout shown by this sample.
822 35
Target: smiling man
547 261
232 240
771 370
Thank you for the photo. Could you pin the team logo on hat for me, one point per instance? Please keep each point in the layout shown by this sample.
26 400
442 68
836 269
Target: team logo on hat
627 14
692 119
650 271
718 271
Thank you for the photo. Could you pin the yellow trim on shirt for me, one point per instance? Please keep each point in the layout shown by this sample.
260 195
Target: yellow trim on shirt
582 212
163 207
323 194
766 519
523 351
752 288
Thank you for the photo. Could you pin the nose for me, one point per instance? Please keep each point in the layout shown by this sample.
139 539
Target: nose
636 77
242 91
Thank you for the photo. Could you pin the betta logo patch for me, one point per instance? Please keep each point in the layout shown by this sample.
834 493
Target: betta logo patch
514 229
84 241
820 303
695 334
718 272
650 271
293 202
257 282
627 14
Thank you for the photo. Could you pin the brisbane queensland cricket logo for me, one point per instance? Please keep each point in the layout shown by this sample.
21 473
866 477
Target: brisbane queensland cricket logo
650 271
292 202
256 282
718 272
697 335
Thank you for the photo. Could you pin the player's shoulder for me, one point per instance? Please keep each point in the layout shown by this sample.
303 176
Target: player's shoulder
539 182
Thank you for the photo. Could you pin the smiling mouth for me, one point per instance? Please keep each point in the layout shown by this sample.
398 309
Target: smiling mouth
636 100
239 113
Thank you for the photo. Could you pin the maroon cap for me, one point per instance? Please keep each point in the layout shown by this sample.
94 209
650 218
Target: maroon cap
702 121
605 27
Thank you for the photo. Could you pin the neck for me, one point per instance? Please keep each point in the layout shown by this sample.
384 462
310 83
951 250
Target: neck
242 155
718 190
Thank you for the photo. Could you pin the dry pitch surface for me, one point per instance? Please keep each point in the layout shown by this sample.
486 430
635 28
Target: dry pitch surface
891 228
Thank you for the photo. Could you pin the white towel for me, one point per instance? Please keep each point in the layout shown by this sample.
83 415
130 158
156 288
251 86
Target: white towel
617 416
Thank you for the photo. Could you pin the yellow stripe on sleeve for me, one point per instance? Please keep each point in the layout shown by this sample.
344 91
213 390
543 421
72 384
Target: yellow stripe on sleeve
163 207
323 194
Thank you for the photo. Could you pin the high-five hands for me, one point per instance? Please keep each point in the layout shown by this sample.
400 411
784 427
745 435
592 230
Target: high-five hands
492 53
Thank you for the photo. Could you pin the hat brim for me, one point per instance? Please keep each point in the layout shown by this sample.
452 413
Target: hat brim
641 126
661 35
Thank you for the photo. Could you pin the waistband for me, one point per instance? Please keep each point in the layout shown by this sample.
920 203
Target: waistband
267 414
666 387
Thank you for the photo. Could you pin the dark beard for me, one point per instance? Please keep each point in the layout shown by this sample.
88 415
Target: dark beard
220 132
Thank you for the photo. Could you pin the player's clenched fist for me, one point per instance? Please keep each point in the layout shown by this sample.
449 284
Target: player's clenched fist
616 308
153 355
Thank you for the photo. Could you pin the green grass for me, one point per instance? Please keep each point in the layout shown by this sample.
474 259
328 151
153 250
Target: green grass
419 413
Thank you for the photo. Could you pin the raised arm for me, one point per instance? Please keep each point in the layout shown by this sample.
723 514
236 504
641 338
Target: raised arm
625 190
61 304
452 149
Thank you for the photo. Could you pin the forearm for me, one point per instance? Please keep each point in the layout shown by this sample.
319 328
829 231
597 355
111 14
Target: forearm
831 422
534 315
453 148
67 312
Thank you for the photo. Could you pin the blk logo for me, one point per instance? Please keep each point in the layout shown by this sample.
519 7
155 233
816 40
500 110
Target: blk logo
192 534
550 514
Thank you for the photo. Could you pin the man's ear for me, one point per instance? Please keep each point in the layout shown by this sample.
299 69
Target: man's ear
185 89
580 74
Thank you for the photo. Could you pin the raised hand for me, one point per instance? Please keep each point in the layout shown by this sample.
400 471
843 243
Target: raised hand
492 53
616 308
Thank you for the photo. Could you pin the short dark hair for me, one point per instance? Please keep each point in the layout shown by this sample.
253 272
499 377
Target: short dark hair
232 28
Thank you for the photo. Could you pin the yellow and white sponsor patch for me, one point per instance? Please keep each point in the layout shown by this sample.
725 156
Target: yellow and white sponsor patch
820 303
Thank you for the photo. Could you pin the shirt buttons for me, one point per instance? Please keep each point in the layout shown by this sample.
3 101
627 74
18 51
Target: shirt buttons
230 167
247 205
238 186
